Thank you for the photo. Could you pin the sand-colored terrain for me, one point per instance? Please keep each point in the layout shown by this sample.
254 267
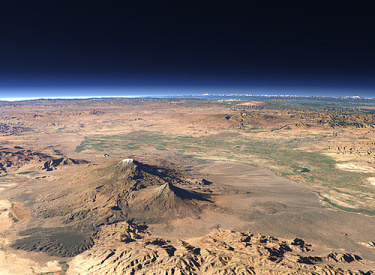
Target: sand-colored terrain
220 252
169 218
218 169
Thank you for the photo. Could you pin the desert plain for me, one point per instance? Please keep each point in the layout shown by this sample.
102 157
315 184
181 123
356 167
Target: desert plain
187 186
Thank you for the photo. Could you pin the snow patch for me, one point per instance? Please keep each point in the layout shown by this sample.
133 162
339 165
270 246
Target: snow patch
126 161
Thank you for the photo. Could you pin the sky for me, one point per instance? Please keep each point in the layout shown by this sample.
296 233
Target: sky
142 48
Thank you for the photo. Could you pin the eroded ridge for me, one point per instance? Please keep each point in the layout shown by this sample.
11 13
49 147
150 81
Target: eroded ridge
128 248
13 159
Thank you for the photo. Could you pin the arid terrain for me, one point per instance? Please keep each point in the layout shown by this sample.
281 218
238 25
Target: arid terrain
187 186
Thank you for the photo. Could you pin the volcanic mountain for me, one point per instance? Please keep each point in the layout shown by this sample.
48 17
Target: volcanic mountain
99 215
132 190
125 190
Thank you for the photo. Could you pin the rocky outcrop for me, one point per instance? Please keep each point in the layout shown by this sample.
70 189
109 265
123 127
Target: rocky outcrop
220 252
12 159
8 130
54 163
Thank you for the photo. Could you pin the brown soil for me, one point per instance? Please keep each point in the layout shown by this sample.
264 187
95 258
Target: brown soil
93 214
220 252
17 159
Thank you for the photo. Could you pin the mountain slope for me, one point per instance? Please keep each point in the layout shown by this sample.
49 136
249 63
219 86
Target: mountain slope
114 193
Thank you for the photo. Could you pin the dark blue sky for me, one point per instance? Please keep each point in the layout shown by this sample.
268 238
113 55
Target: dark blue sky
114 48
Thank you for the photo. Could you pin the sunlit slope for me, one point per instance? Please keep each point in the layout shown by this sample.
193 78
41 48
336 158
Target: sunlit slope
310 146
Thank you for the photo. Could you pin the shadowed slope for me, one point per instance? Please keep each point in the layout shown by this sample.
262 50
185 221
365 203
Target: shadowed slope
135 190
121 191
165 202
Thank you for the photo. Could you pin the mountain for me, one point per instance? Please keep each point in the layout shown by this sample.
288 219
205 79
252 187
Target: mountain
125 190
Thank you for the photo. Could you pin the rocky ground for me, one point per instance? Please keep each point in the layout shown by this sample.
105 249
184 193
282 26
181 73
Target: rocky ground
124 187
128 217
18 159
126 248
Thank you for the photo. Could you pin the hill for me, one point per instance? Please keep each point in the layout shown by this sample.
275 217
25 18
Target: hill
117 192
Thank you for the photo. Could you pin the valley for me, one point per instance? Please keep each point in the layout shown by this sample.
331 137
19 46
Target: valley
150 186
